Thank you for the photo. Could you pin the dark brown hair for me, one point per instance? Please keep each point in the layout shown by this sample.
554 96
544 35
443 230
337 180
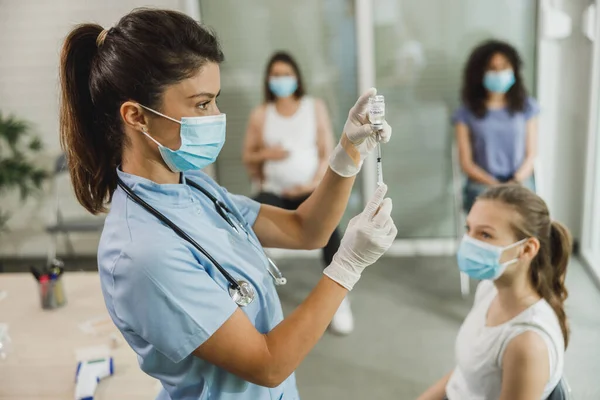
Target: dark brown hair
135 60
474 94
549 267
282 56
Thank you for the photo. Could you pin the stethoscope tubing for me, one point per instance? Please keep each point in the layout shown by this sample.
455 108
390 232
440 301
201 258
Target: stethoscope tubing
232 282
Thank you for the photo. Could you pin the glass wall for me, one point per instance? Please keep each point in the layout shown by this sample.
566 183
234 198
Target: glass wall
320 34
420 49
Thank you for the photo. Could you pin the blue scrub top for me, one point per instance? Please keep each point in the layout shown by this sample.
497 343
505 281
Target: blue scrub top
167 299
498 139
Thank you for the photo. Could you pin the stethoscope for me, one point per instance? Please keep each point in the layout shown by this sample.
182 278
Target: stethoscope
240 291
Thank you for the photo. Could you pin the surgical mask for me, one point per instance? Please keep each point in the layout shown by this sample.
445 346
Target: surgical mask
283 86
202 139
481 260
499 82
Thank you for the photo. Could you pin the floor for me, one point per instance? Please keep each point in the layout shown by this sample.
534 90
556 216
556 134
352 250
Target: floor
408 312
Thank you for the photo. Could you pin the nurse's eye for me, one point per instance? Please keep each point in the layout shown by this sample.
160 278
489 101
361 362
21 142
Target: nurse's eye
203 106
486 235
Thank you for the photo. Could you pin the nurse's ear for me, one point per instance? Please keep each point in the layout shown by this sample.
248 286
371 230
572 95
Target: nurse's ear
133 116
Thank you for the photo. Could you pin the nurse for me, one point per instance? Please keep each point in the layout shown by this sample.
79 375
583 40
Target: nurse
182 269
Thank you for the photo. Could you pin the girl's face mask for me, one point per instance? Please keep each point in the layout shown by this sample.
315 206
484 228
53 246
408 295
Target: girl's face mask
481 260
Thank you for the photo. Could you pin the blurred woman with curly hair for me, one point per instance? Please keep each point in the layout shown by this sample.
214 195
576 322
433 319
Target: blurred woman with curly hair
496 125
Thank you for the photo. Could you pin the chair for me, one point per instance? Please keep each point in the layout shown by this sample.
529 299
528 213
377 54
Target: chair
60 225
459 217
562 391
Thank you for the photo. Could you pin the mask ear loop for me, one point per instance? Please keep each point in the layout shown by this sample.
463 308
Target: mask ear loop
514 260
157 113
151 138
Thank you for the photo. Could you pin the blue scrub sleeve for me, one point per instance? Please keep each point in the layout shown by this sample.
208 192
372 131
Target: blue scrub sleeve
166 297
460 115
247 207
532 108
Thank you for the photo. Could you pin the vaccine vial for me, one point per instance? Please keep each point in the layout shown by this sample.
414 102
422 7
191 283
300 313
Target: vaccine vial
377 111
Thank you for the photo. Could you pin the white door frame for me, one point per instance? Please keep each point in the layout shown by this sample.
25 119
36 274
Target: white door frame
590 234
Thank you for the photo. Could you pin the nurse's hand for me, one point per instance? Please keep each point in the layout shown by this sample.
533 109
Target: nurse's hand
358 139
367 237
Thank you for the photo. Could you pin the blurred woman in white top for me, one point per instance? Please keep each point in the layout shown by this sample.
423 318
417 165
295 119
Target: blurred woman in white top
288 143
511 345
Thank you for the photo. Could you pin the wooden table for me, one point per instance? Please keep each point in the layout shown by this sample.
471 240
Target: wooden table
42 364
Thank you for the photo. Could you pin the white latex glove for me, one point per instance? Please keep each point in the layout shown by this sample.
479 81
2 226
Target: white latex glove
358 139
367 237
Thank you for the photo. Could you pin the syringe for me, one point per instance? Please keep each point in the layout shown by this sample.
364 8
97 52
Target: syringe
379 166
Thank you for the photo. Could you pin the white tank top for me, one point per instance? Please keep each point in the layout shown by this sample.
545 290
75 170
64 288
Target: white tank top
479 349
298 135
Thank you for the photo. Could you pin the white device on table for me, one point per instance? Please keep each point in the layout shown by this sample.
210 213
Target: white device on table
377 117
88 375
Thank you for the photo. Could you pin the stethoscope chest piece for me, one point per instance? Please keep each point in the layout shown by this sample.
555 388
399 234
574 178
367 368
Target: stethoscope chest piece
243 295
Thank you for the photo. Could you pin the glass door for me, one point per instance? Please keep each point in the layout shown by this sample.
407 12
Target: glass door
420 48
412 51
320 34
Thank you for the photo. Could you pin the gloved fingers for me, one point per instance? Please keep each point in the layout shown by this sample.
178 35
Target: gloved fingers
393 232
387 234
375 202
387 226
384 135
383 215
360 107
358 135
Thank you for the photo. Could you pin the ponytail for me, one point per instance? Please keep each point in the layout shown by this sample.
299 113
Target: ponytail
82 135
560 251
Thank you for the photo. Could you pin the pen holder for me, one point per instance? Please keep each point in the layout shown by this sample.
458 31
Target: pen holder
52 293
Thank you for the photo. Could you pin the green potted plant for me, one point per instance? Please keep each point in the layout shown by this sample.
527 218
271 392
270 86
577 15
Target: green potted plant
18 148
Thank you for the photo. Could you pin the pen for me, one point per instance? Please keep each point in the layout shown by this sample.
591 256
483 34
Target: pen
44 290
36 273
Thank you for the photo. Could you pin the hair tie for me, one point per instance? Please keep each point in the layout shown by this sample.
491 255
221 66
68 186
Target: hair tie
101 37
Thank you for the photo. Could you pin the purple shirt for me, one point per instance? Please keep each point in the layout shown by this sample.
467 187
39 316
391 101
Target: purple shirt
498 139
